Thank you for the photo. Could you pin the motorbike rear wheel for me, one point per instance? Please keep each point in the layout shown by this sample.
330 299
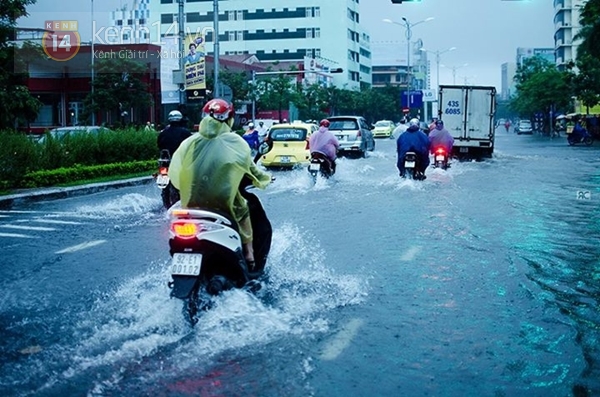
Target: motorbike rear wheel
588 141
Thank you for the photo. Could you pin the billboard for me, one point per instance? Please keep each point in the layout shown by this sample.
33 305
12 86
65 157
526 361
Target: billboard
195 67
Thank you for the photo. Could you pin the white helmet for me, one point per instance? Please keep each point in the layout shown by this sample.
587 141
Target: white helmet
175 115
250 125
413 122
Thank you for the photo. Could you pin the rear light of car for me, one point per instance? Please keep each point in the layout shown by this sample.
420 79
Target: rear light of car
307 145
359 134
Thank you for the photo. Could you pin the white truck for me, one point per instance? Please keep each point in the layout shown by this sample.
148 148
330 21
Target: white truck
468 114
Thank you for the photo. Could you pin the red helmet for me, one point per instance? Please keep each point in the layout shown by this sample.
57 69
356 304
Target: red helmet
324 123
218 109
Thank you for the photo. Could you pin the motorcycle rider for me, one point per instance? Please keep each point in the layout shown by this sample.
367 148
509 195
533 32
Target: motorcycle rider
251 136
209 167
579 132
176 132
413 140
325 145
441 137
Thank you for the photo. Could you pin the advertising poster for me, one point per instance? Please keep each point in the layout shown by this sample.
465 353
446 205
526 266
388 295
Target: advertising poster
169 90
194 64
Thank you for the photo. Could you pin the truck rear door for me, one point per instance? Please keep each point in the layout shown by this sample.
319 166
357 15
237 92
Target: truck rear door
452 106
480 115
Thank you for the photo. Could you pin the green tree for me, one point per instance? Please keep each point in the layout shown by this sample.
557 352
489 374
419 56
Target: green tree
541 88
18 105
276 94
586 83
118 87
590 29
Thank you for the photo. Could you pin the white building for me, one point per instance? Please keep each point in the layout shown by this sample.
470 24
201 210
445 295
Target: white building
279 30
566 27
132 26
509 69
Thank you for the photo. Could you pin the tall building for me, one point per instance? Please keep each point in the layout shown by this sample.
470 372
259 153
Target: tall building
132 26
279 30
508 84
566 27
524 53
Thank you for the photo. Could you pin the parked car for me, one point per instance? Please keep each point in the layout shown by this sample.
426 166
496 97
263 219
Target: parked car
61 132
289 145
383 128
354 134
524 127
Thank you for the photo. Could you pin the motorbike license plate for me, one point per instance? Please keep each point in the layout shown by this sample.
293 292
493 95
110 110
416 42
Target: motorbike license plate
285 159
314 167
409 164
186 264
439 157
464 149
162 181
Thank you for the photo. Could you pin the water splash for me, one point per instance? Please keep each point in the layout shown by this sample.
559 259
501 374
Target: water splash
133 204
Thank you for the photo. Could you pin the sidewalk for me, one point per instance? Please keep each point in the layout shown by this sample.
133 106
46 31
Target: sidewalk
25 195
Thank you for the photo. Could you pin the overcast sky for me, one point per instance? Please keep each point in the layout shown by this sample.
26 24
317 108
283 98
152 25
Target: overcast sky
486 33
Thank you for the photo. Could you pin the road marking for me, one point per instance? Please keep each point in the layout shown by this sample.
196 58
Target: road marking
410 254
4 216
18 212
341 340
57 222
16 235
36 228
80 247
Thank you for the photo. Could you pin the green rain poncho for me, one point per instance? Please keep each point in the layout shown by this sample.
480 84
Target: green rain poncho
208 167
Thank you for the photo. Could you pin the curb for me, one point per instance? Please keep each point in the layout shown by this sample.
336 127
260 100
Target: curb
64 192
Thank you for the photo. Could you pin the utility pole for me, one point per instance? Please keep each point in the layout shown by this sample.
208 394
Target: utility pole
181 25
93 72
216 88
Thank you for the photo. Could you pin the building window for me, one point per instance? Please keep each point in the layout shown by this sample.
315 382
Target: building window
317 52
309 33
166 18
166 1
239 35
231 15
240 15
317 11
317 32
231 36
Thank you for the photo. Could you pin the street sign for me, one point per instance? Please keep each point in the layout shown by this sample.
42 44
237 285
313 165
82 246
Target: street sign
414 100
429 96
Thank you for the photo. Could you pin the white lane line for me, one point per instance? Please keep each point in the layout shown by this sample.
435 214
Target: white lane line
57 222
4 216
80 247
18 212
410 254
36 228
16 235
341 340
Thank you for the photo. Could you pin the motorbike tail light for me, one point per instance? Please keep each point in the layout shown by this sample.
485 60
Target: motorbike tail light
440 150
185 229
163 170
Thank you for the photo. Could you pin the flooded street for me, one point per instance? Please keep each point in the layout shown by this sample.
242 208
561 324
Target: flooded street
480 280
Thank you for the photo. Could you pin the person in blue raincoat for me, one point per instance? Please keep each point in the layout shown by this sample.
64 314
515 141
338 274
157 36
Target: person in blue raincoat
413 140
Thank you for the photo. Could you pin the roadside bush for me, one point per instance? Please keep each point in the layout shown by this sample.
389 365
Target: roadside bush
79 172
18 155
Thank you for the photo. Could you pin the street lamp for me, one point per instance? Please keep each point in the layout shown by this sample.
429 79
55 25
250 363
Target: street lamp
437 60
454 68
408 27
93 73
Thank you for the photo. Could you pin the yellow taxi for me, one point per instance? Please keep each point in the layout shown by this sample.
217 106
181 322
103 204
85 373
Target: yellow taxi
289 145
383 128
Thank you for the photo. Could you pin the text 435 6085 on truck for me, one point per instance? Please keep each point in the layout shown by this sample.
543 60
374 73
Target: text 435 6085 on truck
468 114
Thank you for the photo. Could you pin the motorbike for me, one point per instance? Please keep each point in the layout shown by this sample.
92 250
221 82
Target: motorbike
584 138
169 194
411 160
320 164
208 256
440 158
